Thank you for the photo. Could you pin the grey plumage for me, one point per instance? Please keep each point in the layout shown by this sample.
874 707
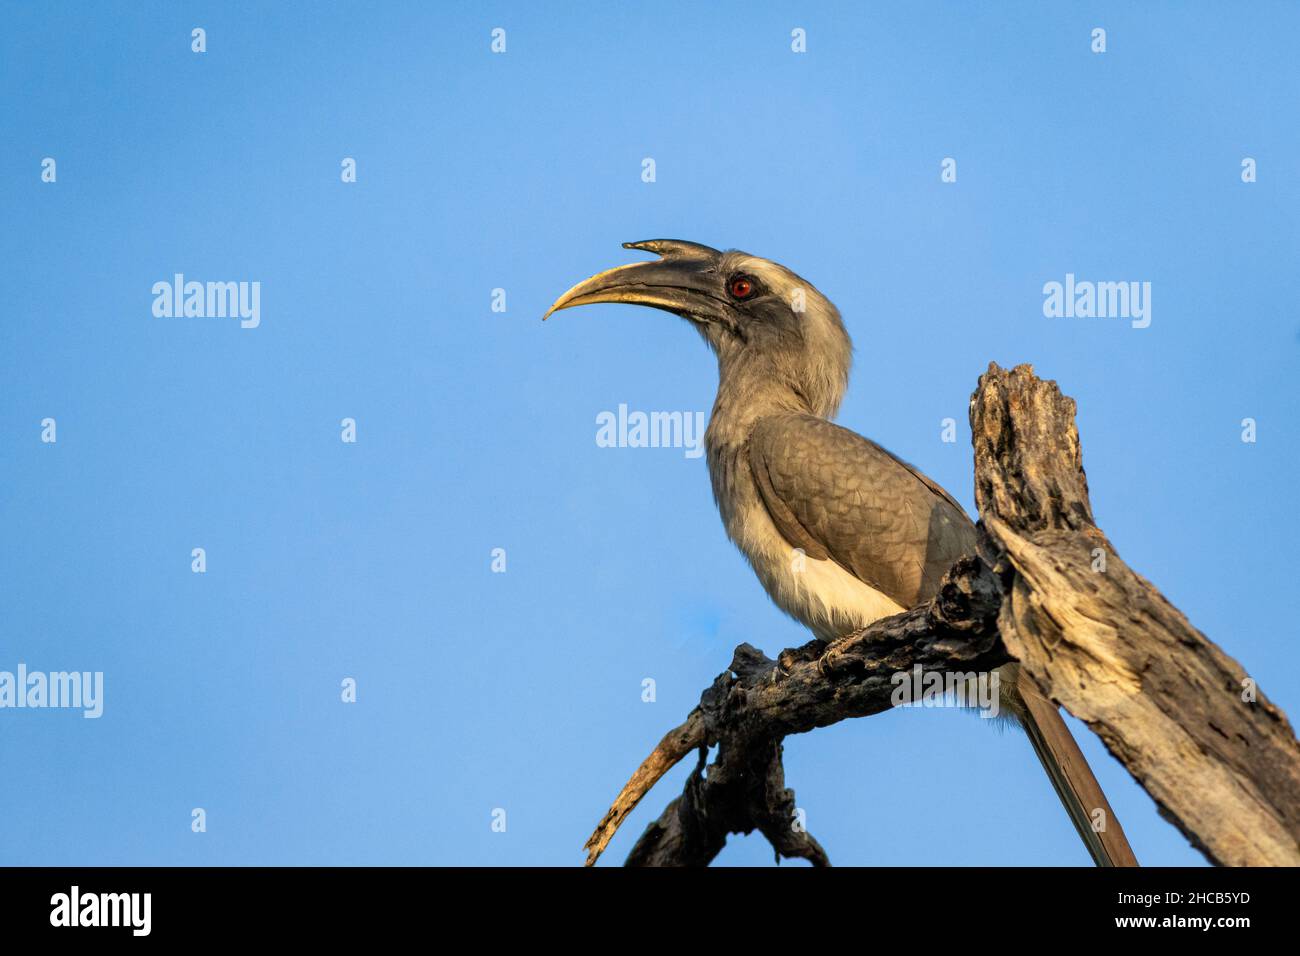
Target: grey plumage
824 485
839 531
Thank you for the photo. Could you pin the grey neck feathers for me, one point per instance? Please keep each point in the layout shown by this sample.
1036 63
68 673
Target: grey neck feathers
774 372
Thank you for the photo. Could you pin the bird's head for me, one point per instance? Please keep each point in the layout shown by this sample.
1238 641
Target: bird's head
766 324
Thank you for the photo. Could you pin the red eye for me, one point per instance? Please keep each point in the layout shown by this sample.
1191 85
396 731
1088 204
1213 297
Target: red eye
741 287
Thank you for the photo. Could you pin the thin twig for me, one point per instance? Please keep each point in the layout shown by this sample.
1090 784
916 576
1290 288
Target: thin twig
677 743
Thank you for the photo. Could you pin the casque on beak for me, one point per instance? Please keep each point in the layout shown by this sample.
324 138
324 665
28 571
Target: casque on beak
684 281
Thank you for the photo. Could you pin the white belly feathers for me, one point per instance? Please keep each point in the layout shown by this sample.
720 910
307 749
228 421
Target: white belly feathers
818 593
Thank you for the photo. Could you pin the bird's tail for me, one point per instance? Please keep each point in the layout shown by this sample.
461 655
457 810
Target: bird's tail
1069 772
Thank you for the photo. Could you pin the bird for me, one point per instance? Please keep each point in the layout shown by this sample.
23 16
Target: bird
873 535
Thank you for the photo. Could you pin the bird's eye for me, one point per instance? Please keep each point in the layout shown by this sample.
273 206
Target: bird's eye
741 287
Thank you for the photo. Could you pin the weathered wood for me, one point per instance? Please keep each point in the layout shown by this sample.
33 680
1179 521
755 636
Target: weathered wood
1221 761
676 744
757 702
744 791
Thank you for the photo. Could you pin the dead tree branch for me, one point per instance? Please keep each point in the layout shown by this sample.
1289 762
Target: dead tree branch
757 702
1221 762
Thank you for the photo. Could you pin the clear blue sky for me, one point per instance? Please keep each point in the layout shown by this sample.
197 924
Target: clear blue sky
476 430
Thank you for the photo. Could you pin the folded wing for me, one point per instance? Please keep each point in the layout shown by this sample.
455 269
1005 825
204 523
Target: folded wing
840 496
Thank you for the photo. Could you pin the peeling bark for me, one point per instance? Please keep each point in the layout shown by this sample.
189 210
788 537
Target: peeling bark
1107 646
1221 764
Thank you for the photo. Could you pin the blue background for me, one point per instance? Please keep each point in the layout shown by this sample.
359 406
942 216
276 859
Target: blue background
476 429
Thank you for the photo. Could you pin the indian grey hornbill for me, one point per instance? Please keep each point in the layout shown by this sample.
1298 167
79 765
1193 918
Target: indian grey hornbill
876 534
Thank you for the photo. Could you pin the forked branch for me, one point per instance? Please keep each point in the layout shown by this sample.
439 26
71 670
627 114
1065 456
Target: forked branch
1048 590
